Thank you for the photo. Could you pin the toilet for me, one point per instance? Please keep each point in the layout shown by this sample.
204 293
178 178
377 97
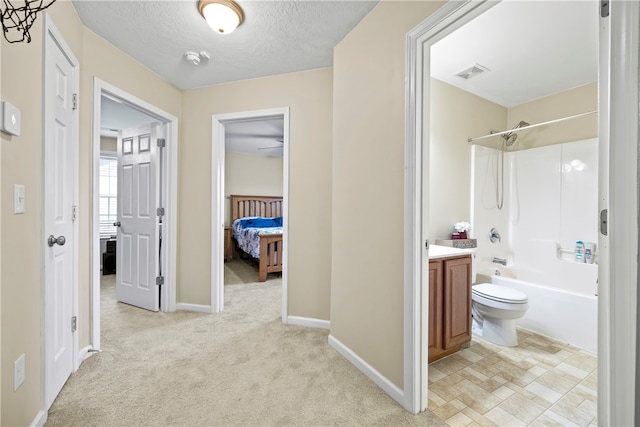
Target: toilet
495 309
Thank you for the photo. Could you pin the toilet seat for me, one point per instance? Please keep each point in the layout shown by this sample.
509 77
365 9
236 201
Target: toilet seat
499 293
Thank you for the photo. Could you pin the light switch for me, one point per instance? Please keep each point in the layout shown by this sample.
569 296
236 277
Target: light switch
18 199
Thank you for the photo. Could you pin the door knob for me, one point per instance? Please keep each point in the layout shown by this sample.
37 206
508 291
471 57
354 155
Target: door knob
116 224
59 240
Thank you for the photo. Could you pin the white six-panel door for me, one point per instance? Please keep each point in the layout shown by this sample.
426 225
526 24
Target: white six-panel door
137 265
59 251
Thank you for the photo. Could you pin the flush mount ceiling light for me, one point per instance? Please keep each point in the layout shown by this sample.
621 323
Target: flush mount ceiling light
223 16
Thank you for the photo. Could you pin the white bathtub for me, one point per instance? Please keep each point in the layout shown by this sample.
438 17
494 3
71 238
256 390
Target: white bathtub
566 316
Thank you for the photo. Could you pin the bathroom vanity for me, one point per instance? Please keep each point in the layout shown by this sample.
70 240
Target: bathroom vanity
449 300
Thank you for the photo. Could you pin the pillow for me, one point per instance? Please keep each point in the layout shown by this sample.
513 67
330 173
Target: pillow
261 222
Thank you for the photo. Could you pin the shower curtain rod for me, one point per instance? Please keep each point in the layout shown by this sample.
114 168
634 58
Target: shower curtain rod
530 126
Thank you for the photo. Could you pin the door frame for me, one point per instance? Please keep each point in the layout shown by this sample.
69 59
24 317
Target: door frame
50 31
618 296
169 197
617 359
218 201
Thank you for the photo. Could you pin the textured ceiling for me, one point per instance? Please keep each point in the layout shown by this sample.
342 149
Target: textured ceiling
276 37
259 137
532 48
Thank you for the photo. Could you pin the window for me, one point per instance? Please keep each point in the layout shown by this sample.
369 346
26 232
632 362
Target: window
108 195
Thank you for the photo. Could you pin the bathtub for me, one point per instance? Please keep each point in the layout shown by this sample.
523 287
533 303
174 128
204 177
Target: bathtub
564 315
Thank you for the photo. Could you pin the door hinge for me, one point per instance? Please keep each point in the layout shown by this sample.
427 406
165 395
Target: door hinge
604 213
159 280
74 323
74 213
160 211
161 142
604 8
74 101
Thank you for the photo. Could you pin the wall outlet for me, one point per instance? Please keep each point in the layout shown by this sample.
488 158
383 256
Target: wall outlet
18 372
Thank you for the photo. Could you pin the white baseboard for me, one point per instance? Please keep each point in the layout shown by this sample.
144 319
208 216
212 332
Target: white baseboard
84 354
40 419
194 307
308 321
375 376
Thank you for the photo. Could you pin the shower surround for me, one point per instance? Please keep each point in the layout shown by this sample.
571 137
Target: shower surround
550 202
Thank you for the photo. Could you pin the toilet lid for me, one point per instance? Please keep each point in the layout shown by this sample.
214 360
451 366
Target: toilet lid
499 293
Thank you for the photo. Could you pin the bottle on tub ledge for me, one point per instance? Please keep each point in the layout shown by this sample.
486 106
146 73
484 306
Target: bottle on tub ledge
589 252
579 251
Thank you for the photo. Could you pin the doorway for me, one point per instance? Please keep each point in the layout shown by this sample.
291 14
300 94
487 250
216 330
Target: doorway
113 100
613 360
278 119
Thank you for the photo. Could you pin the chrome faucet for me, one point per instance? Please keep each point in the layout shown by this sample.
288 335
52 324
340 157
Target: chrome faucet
497 260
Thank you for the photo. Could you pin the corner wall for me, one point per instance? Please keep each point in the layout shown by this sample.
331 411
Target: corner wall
22 234
456 115
367 280
309 98
21 163
250 174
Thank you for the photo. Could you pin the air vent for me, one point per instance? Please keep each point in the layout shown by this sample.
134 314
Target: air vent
473 71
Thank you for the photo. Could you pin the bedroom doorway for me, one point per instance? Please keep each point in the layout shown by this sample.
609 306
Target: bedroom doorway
115 110
250 157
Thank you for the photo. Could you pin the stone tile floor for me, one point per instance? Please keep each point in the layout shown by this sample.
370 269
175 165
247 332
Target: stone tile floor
541 382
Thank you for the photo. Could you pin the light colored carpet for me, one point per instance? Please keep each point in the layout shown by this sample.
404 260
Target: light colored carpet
239 367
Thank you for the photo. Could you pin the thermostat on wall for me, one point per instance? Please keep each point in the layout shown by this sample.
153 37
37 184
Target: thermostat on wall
10 118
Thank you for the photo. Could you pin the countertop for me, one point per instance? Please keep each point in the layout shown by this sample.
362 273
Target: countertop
436 252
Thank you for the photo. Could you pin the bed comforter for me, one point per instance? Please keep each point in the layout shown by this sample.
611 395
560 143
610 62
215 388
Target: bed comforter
247 232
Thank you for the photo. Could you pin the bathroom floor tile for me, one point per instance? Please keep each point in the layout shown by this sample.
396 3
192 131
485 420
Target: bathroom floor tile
538 383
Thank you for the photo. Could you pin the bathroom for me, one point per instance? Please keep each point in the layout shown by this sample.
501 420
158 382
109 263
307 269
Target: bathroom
536 187
546 185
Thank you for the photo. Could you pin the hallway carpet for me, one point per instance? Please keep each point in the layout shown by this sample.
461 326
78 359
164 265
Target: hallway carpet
239 367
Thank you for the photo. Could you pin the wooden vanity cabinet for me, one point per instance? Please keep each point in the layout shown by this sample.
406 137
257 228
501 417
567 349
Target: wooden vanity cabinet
449 305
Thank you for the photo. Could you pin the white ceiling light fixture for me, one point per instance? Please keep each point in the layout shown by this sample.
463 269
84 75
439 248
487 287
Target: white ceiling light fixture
224 16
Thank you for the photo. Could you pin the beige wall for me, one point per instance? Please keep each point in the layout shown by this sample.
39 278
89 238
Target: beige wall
308 95
102 60
21 234
564 104
368 191
250 174
455 116
459 115
22 164
108 144
1 189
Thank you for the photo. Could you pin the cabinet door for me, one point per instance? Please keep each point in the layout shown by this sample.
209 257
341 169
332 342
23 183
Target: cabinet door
436 299
457 301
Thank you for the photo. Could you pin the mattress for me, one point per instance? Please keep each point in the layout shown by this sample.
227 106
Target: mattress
247 232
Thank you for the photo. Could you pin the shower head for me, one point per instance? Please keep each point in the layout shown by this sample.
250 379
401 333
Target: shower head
510 138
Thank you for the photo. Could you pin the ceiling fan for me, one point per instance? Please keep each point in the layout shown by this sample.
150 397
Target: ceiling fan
280 140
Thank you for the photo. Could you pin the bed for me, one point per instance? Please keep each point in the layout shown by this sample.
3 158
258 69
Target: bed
255 231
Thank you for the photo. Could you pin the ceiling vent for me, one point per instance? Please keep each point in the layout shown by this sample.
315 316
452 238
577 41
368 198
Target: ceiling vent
473 71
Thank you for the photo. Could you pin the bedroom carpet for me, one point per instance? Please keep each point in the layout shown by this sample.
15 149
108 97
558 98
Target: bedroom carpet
239 367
